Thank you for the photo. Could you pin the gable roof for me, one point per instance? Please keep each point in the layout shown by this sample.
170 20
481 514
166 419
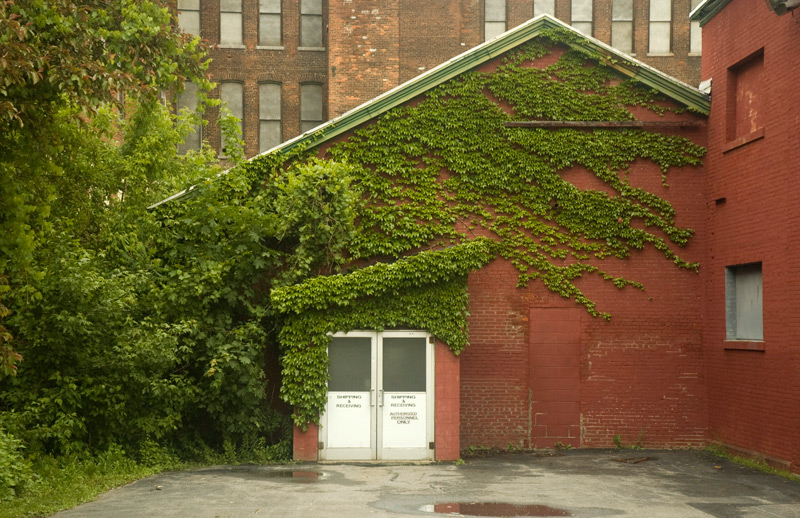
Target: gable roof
624 64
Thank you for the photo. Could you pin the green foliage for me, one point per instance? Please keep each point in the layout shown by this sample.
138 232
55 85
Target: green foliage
66 52
63 64
109 358
384 280
15 469
64 482
445 170
508 181
8 357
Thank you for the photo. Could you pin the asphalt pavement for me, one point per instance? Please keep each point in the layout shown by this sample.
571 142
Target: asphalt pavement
580 483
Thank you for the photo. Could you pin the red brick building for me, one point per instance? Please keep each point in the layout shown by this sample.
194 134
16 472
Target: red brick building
284 66
749 271
540 370
697 357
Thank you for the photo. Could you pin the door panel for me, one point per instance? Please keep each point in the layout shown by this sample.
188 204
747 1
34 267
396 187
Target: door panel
404 382
349 420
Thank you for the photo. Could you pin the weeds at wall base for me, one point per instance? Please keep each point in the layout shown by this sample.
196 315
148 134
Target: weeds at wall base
749 462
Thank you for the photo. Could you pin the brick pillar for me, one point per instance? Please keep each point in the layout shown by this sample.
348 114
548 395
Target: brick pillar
304 445
448 403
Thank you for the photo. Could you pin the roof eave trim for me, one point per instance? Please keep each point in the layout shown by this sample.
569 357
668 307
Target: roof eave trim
704 12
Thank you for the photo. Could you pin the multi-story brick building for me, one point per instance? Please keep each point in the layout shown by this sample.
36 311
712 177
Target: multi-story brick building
284 66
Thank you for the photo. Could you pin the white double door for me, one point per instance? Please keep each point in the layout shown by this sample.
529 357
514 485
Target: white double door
380 397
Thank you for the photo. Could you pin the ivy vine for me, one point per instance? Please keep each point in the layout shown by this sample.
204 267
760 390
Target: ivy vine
446 171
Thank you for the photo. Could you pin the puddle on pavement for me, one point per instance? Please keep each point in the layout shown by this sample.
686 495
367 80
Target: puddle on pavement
296 476
497 509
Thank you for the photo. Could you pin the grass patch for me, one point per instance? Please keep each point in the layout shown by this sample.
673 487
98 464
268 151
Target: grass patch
759 464
62 483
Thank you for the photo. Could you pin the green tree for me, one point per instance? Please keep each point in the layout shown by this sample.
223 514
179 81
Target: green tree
63 64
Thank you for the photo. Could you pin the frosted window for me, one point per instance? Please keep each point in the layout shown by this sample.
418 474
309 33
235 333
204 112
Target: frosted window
622 25
310 106
269 114
494 18
660 26
696 33
189 16
582 16
404 364
544 7
350 364
269 23
230 22
311 23
744 302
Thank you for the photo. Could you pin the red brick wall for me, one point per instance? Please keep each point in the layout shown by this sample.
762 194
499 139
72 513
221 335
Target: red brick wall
754 396
641 375
364 61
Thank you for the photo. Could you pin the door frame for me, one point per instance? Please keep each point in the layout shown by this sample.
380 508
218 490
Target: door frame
377 451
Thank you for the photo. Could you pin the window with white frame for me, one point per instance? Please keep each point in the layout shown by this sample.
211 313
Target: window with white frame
311 23
695 33
622 25
187 100
744 315
269 116
232 94
230 22
310 106
189 16
544 7
269 23
660 27
494 18
583 16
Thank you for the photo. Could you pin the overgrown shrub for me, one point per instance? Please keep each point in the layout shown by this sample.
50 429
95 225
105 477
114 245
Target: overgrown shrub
15 470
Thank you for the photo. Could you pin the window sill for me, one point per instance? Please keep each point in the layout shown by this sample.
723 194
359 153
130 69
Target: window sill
744 345
220 46
270 47
695 54
312 49
660 55
741 141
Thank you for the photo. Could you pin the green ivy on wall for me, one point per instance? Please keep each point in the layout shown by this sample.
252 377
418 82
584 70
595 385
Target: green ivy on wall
446 171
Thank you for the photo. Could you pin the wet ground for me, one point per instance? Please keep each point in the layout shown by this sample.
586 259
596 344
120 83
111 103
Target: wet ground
580 483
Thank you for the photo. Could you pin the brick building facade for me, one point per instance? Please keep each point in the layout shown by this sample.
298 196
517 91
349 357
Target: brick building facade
324 57
751 329
697 358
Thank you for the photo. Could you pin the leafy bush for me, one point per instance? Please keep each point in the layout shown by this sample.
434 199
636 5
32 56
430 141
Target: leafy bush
15 470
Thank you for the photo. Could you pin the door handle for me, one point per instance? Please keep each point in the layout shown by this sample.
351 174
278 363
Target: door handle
380 396
372 397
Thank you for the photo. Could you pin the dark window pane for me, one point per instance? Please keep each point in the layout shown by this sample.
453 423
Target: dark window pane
404 364
350 364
